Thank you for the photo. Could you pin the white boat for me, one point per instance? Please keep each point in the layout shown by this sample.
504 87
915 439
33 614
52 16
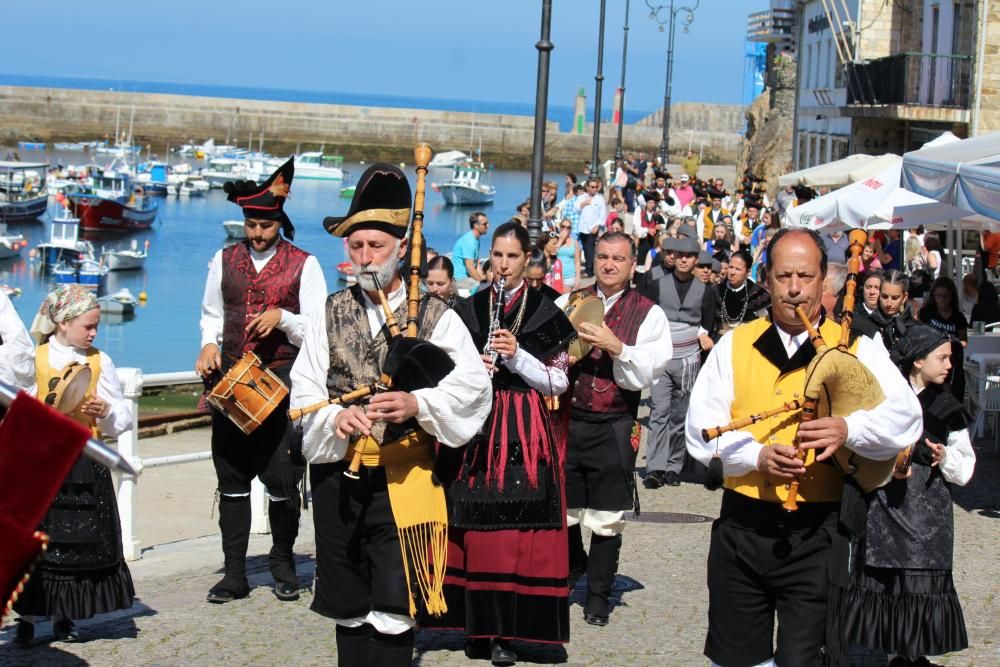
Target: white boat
10 244
466 187
223 169
190 189
447 160
122 302
126 260
235 229
311 166
64 245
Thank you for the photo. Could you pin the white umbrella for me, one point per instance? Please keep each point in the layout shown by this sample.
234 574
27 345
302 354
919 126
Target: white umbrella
831 174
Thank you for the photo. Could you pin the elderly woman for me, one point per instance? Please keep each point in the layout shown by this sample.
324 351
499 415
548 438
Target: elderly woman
83 572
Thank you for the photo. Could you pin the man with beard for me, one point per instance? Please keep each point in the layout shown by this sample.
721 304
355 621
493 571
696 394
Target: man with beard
381 530
258 297
628 353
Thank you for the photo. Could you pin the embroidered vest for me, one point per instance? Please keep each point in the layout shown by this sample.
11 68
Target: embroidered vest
760 385
44 374
356 359
246 294
592 378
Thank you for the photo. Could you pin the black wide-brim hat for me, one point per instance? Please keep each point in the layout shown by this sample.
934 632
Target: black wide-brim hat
267 200
382 201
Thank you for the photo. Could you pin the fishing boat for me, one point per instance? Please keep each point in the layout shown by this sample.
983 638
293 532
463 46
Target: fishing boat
113 206
10 244
23 196
235 229
466 186
88 273
316 166
223 169
345 272
122 302
126 260
192 188
64 245
447 160
157 179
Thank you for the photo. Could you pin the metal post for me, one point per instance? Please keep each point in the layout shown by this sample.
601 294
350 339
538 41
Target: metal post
621 95
599 79
665 141
544 46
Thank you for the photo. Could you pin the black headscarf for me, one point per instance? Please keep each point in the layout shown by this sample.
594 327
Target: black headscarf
917 342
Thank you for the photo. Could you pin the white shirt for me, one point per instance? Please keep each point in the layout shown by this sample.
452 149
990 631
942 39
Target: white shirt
547 380
312 298
119 418
879 433
452 412
17 353
639 365
592 215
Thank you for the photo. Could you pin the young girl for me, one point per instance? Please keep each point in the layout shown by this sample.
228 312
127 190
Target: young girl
549 245
440 278
568 254
893 315
901 598
83 572
941 312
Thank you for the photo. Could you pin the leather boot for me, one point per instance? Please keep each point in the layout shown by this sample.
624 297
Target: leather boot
353 645
577 556
601 568
234 522
284 518
391 650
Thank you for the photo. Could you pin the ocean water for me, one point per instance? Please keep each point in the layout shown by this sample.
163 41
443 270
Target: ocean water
561 113
164 334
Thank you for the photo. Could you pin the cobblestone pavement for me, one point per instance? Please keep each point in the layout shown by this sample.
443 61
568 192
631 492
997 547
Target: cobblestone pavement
661 619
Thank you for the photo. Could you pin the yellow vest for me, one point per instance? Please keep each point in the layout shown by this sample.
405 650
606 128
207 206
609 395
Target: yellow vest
759 386
44 373
709 225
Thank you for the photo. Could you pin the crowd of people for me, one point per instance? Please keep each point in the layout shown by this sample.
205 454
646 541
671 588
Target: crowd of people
460 433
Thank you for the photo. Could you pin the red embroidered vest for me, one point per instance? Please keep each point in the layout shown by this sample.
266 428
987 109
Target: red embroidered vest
592 378
246 294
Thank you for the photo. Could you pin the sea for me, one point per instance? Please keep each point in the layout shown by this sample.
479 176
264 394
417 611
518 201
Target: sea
163 336
561 113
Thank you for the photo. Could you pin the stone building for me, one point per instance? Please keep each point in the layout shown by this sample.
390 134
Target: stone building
886 76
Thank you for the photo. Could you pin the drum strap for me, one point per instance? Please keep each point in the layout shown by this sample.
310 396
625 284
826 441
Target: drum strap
44 372
419 509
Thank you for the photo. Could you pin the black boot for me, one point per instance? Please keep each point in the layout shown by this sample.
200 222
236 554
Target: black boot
391 650
234 522
284 517
601 568
577 556
501 653
353 645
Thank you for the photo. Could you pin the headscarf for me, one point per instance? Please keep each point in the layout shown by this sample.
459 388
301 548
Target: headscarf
918 341
61 305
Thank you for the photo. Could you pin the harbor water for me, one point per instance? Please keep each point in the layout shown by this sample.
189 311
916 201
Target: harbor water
163 335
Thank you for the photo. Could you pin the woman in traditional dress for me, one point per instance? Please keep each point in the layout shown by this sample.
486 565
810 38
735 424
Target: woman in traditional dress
440 278
508 561
739 298
942 311
901 598
894 314
83 572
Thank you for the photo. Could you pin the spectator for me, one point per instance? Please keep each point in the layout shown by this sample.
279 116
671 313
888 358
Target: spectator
836 244
549 245
891 255
465 253
931 252
869 258
941 312
593 212
569 255
986 310
970 294
691 164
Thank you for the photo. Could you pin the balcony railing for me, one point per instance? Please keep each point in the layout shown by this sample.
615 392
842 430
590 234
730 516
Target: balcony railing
771 25
924 79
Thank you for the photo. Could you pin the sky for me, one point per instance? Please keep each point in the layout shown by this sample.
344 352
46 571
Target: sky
457 49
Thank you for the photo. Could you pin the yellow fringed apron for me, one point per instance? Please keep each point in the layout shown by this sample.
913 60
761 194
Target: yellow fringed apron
44 373
419 509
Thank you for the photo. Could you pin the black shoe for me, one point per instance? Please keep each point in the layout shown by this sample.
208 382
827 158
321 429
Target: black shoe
24 634
654 480
501 654
65 630
285 591
477 649
672 479
596 619
228 589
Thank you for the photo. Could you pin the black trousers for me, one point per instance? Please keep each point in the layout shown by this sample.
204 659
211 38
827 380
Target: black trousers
764 561
599 463
359 565
589 242
271 453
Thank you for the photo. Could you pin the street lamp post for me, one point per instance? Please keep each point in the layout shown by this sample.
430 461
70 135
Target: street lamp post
621 93
597 96
544 46
671 12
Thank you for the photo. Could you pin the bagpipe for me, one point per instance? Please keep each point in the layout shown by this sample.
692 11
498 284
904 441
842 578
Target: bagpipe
837 384
410 363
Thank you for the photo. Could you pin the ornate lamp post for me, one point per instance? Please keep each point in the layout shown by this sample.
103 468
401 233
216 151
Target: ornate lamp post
664 14
621 94
597 96
544 46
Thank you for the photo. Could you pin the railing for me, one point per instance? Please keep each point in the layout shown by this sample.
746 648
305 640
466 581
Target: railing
925 79
133 382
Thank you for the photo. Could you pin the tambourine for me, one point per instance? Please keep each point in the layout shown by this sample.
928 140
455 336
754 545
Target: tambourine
586 308
68 390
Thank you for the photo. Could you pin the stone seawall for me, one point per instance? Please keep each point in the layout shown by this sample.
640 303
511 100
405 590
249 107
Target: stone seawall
361 133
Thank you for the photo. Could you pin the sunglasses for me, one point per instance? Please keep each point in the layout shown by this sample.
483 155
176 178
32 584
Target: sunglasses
554 235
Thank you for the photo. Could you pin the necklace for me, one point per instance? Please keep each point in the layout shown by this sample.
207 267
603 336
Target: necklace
746 301
519 319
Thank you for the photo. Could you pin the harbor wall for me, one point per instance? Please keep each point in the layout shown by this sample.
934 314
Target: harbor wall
357 133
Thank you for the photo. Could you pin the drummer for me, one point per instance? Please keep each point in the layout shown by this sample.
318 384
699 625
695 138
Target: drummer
258 298
626 352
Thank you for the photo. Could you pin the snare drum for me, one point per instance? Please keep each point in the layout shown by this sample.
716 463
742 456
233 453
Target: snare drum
584 308
248 393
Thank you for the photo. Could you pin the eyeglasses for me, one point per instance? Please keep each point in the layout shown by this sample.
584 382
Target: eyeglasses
554 235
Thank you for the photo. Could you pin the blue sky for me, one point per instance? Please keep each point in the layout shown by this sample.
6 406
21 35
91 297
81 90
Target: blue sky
437 48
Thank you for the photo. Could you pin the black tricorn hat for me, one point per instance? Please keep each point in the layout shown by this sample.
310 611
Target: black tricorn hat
267 200
382 201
